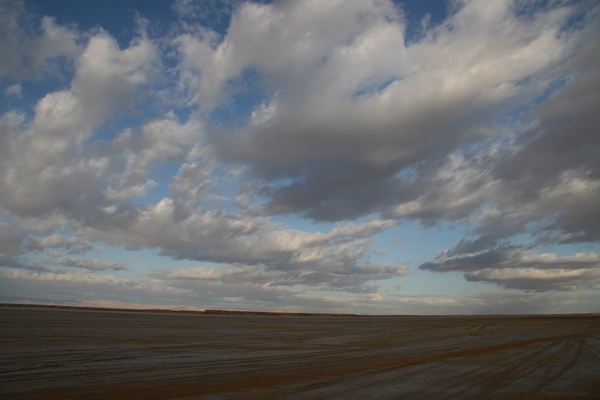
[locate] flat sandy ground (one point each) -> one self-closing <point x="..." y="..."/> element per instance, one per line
<point x="73" y="354"/>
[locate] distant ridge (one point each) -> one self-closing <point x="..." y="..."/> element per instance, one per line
<point x="284" y="313"/>
<point x="175" y="311"/>
<point x="301" y="314"/>
<point x="90" y="308"/>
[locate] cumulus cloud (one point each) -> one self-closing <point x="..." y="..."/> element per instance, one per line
<point x="29" y="52"/>
<point x="344" y="127"/>
<point x="46" y="165"/>
<point x="126" y="162"/>
<point x="337" y="143"/>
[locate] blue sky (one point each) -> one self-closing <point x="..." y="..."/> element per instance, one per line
<point x="340" y="156"/>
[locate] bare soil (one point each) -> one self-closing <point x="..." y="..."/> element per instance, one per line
<point x="98" y="354"/>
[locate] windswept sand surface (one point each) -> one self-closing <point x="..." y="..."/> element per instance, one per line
<point x="74" y="354"/>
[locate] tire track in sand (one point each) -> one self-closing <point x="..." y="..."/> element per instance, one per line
<point x="405" y="370"/>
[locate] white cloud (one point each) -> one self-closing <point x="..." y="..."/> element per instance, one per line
<point x="292" y="256"/>
<point x="107" y="77"/>
<point x="47" y="167"/>
<point x="71" y="244"/>
<point x="14" y="90"/>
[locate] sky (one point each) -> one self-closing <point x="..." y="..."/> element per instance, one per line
<point x="359" y="156"/>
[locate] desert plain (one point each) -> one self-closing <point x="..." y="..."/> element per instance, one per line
<point x="54" y="353"/>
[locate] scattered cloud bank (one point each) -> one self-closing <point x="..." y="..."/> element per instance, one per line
<point x="199" y="143"/>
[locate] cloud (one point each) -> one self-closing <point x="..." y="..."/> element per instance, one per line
<point x="10" y="240"/>
<point x="513" y="267"/>
<point x="288" y="256"/>
<point x="127" y="162"/>
<point x="212" y="14"/>
<point x="533" y="303"/>
<point x="353" y="107"/>
<point x="553" y="168"/>
<point x="48" y="166"/>
<point x="352" y="280"/>
<point x="200" y="143"/>
<point x="63" y="285"/>
<point x="539" y="178"/>
<point x="71" y="244"/>
<point x="83" y="263"/>
<point x="14" y="90"/>
<point x="284" y="40"/>
<point x="68" y="286"/>
<point x="30" y="53"/>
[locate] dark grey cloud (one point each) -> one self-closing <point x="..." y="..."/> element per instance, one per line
<point x="542" y="181"/>
<point x="555" y="168"/>
<point x="11" y="239"/>
<point x="497" y="257"/>
<point x="512" y="267"/>
<point x="338" y="147"/>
